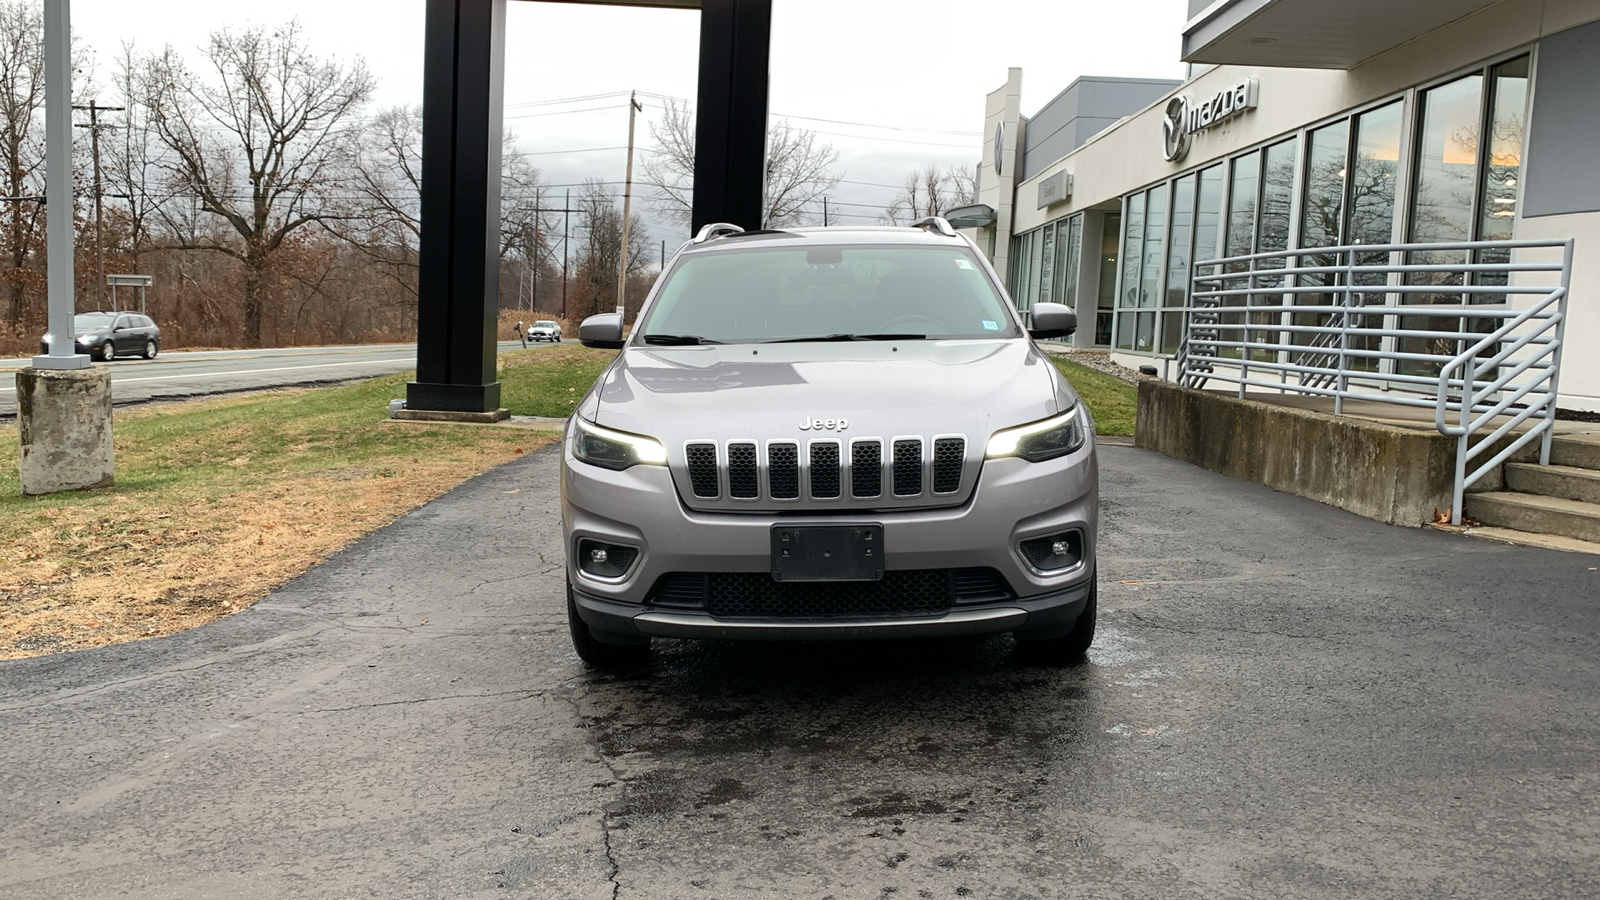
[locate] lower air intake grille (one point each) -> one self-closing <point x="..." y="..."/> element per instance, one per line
<point x="907" y="467"/>
<point x="948" y="454"/>
<point x="703" y="469"/>
<point x="754" y="595"/>
<point x="783" y="471"/>
<point x="742" y="480"/>
<point x="866" y="469"/>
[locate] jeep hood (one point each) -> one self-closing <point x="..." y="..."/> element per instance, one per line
<point x="878" y="389"/>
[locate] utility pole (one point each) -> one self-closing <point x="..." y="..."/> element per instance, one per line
<point x="627" y="208"/>
<point x="566" y="231"/>
<point x="824" y="210"/>
<point x="95" y="109"/>
<point x="663" y="255"/>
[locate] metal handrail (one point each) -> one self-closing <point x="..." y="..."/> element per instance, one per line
<point x="1501" y="362"/>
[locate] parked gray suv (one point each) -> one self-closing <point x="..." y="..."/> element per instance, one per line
<point x="824" y="434"/>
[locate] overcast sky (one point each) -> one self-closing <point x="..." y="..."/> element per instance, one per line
<point x="900" y="83"/>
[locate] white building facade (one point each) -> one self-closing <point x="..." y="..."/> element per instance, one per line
<point x="1307" y="124"/>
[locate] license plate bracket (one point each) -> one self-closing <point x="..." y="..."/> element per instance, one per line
<point x="827" y="552"/>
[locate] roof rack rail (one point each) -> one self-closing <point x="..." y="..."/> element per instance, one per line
<point x="936" y="223"/>
<point x="716" y="230"/>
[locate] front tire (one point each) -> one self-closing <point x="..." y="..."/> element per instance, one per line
<point x="150" y="349"/>
<point x="108" y="351"/>
<point x="1071" y="648"/>
<point x="597" y="654"/>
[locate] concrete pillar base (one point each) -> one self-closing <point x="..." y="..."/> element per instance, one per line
<point x="64" y="427"/>
<point x="445" y="415"/>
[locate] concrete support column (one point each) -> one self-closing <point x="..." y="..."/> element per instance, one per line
<point x="64" y="429"/>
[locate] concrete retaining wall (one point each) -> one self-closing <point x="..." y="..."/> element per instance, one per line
<point x="1394" y="475"/>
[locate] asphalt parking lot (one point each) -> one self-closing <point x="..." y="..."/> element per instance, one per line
<point x="1285" y="700"/>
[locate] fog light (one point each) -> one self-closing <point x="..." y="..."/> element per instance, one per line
<point x="1055" y="552"/>
<point x="603" y="560"/>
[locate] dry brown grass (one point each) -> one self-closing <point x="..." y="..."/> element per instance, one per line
<point x="217" y="503"/>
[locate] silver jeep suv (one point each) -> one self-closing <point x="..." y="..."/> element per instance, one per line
<point x="824" y="434"/>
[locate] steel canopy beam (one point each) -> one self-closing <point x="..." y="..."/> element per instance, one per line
<point x="463" y="97"/>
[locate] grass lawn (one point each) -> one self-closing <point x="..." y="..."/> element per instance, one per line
<point x="219" y="501"/>
<point x="1112" y="402"/>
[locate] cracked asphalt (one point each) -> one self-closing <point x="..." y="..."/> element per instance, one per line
<point x="1285" y="700"/>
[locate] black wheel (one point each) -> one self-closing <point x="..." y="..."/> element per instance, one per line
<point x="150" y="349"/>
<point x="558" y="338"/>
<point x="108" y="351"/>
<point x="1069" y="649"/>
<point x="597" y="654"/>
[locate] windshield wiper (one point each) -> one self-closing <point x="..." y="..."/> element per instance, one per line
<point x="677" y="340"/>
<point x="851" y="337"/>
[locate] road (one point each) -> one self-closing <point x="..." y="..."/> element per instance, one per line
<point x="183" y="374"/>
<point x="1285" y="700"/>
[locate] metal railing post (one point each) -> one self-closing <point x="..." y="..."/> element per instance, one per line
<point x="1458" y="495"/>
<point x="1249" y="301"/>
<point x="1555" y="354"/>
<point x="1344" y="335"/>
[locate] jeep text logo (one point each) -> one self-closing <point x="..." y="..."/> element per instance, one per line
<point x="811" y="424"/>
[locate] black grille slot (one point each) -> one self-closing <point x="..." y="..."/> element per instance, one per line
<point x="681" y="590"/>
<point x="980" y="586"/>
<point x="703" y="470"/>
<point x="783" y="471"/>
<point x="948" y="455"/>
<point x="904" y="593"/>
<point x="742" y="480"/>
<point x="908" y="467"/>
<point x="866" y="469"/>
<point x="825" y="471"/>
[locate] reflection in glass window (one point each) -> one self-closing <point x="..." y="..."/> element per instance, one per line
<point x="1179" y="261"/>
<point x="1441" y="208"/>
<point x="1107" y="295"/>
<point x="1321" y="219"/>
<point x="1373" y="174"/>
<point x="1132" y="252"/>
<point x="1497" y="208"/>
<point x="1243" y="202"/>
<point x="1272" y="232"/>
<point x="1069" y="240"/>
<point x="1155" y="226"/>
<point x="1047" y="259"/>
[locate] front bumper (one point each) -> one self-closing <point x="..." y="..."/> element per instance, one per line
<point x="1014" y="500"/>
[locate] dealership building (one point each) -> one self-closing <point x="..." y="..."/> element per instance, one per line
<point x="1302" y="124"/>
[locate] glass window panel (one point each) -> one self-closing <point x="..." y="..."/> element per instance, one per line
<point x="1243" y="203"/>
<point x="1272" y="233"/>
<point x="1069" y="254"/>
<point x="1155" y="226"/>
<point x="1145" y="340"/>
<point x="1373" y="174"/>
<point x="1497" y="208"/>
<point x="1321" y="220"/>
<point x="1107" y="294"/>
<point x="1445" y="187"/>
<point x="1047" y="260"/>
<point x="1180" y="255"/>
<point x="1132" y="251"/>
<point x="1208" y="214"/>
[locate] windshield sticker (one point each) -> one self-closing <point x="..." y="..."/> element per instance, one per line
<point x="991" y="325"/>
<point x="962" y="264"/>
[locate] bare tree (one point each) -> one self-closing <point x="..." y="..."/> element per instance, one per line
<point x="930" y="192"/>
<point x="21" y="148"/>
<point x="384" y="220"/>
<point x="258" y="142"/>
<point x="599" y="254"/>
<point x="798" y="169"/>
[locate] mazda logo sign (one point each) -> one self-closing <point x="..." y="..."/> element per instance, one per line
<point x="1175" y="136"/>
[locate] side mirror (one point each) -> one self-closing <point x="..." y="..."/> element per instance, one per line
<point x="1053" y="320"/>
<point x="603" y="332"/>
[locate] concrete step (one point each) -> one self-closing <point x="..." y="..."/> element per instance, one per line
<point x="1566" y="482"/>
<point x="1532" y="512"/>
<point x="1581" y="451"/>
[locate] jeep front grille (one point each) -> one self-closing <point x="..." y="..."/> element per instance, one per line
<point x="827" y="473"/>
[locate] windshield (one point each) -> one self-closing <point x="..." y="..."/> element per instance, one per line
<point x="92" y="320"/>
<point x="826" y="292"/>
<point x="544" y="323"/>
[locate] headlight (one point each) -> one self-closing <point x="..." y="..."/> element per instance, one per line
<point x="614" y="449"/>
<point x="1039" y="441"/>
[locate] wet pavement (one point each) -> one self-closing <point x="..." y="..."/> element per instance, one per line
<point x="1285" y="700"/>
